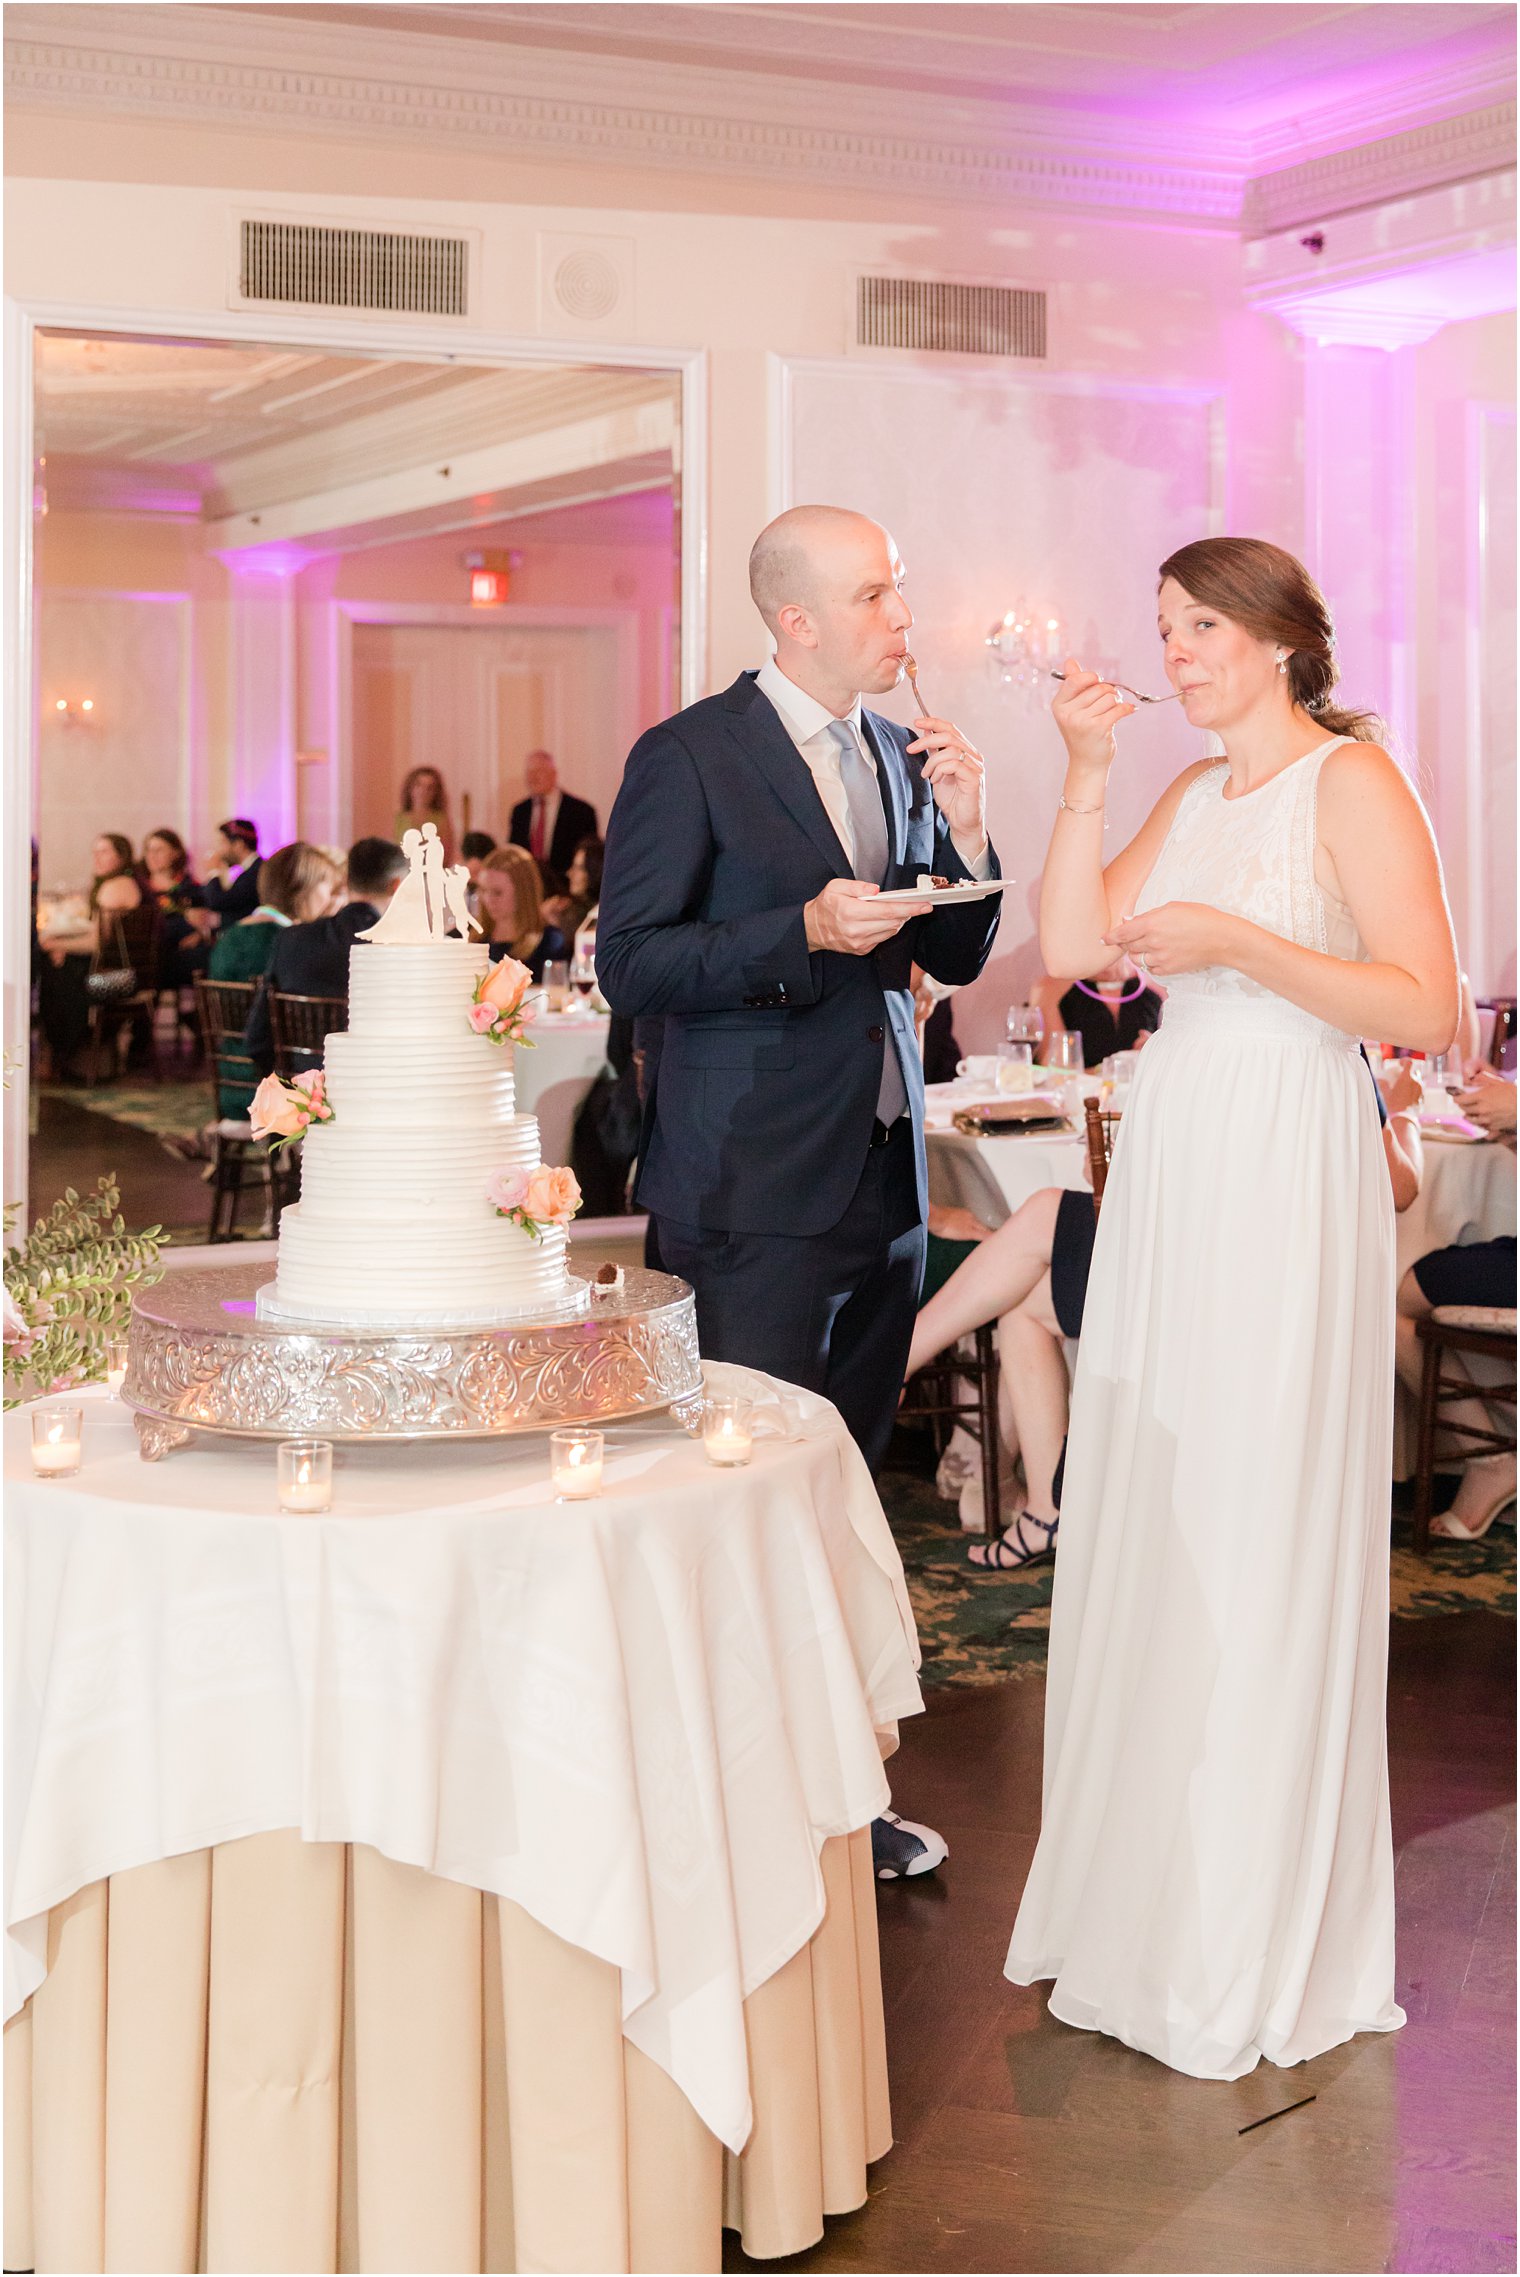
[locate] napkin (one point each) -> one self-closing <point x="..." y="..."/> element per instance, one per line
<point x="773" y="1413"/>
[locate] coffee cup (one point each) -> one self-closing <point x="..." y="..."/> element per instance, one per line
<point x="979" y="1067"/>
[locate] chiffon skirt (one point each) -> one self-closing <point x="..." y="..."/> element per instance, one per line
<point x="1214" y="1877"/>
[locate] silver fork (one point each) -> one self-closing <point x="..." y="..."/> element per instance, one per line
<point x="1139" y="699"/>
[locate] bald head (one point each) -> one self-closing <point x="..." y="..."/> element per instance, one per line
<point x="827" y="582"/>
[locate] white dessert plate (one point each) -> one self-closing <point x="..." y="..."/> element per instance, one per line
<point x="973" y="890"/>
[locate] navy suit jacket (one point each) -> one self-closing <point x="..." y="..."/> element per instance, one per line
<point x="308" y="960"/>
<point x="761" y="1113"/>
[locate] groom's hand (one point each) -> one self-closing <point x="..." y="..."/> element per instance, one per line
<point x="842" y="918"/>
<point x="956" y="773"/>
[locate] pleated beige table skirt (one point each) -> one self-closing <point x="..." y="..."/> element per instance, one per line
<point x="277" y="2055"/>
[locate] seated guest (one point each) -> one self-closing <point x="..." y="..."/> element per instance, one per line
<point x="168" y="880"/>
<point x="512" y="914"/>
<point x="231" y="890"/>
<point x="311" y="959"/>
<point x="295" y="887"/>
<point x="1474" y="1273"/>
<point x="64" y="960"/>
<point x="1108" y="1012"/>
<point x="1030" y="1276"/>
<point x="550" y="822"/>
<point x="473" y="849"/>
<point x="578" y="904"/>
<point x="424" y="799"/>
<point x="937" y="1046"/>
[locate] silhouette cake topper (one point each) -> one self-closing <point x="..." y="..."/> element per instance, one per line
<point x="430" y="900"/>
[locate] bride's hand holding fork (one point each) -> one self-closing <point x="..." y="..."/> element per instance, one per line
<point x="1087" y="711"/>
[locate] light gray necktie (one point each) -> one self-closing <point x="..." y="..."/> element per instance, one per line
<point x="868" y="825"/>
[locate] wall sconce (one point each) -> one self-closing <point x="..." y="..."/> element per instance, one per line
<point x="1023" y="647"/>
<point x="74" y="711"/>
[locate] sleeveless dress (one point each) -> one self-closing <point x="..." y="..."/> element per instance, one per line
<point x="1214" y="1877"/>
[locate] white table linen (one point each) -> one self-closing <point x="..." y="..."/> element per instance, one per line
<point x="1467" y="1193"/>
<point x="569" y="1053"/>
<point x="639" y="1718"/>
<point x="992" y="1177"/>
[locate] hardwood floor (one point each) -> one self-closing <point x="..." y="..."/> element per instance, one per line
<point x="1023" y="2145"/>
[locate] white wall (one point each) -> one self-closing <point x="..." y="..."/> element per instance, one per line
<point x="1070" y="497"/>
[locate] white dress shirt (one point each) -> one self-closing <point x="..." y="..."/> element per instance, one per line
<point x="807" y="722"/>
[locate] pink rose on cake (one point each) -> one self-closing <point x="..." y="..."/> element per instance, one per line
<point x="507" y="1191"/>
<point x="534" y="1199"/>
<point x="286" y="1106"/>
<point x="498" y="1010"/>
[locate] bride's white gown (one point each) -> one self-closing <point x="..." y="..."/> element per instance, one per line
<point x="1214" y="1877"/>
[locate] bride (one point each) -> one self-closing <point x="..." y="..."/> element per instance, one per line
<point x="1214" y="1877"/>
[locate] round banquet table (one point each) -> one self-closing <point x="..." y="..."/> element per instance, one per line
<point x="569" y="1053"/>
<point x="460" y="1880"/>
<point x="992" y="1177"/>
<point x="1467" y="1193"/>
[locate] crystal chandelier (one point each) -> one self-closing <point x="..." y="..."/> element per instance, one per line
<point x="1023" y="647"/>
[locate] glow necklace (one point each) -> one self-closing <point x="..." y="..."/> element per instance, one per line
<point x="1127" y="996"/>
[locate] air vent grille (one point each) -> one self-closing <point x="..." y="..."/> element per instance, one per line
<point x="317" y="267"/>
<point x="961" y="320"/>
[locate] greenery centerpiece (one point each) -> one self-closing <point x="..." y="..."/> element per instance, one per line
<point x="68" y="1292"/>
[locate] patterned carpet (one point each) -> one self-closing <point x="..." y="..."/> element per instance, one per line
<point x="180" y="1108"/>
<point x="981" y="1628"/>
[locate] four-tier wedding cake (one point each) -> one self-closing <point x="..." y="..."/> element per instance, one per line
<point x="424" y="1201"/>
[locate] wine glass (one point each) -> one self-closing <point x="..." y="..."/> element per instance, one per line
<point x="583" y="966"/>
<point x="1025" y="1024"/>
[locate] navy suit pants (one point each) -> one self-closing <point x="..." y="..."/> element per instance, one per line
<point x="831" y="1311"/>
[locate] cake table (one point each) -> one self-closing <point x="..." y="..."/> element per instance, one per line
<point x="455" y="1881"/>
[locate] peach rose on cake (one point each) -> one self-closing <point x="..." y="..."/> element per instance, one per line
<point x="505" y="986"/>
<point x="276" y="1111"/>
<point x="553" y="1196"/>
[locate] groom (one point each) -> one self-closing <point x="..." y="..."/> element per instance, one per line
<point x="782" y="1157"/>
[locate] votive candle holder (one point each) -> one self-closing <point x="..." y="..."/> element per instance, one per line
<point x="575" y="1464"/>
<point x="304" y="1476"/>
<point x="728" y="1437"/>
<point x="116" y="1365"/>
<point x="57" y="1441"/>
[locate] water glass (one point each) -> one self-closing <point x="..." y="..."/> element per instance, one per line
<point x="1443" y="1071"/>
<point x="1015" y="1067"/>
<point x="1062" y="1052"/>
<point x="557" y="984"/>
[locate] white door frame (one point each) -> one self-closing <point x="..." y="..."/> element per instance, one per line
<point x="337" y="334"/>
<point x="512" y="616"/>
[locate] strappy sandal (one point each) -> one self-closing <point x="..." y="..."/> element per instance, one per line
<point x="1025" y="1542"/>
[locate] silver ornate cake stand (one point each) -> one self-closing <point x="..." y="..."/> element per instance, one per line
<point x="200" y="1359"/>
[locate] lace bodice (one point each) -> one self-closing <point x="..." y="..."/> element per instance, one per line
<point x="1254" y="856"/>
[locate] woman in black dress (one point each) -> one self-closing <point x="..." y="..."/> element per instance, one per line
<point x="1108" y="1012"/>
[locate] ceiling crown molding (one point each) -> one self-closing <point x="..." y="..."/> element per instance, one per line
<point x="61" y="77"/>
<point x="282" y="71"/>
<point x="1395" y="166"/>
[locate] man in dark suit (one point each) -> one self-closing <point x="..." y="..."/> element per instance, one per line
<point x="231" y="888"/>
<point x="782" y="1156"/>
<point x="550" y="822"/>
<point x="312" y="959"/>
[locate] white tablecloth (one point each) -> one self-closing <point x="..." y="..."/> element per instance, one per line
<point x="1467" y="1193"/>
<point x="569" y="1053"/>
<point x="639" y="1718"/>
<point x="992" y="1177"/>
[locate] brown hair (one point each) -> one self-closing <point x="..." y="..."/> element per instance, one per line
<point x="518" y="864"/>
<point x="126" y="867"/>
<point x="1270" y="595"/>
<point x="292" y="875"/>
<point x="406" y="790"/>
